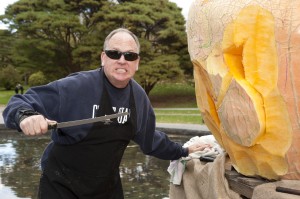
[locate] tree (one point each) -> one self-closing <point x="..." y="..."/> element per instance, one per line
<point x="9" y="77"/>
<point x="59" y="37"/>
<point x="6" y="40"/>
<point x="51" y="34"/>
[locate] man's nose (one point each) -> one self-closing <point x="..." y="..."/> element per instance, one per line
<point x="122" y="59"/>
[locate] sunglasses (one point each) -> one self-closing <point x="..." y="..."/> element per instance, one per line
<point x="114" y="54"/>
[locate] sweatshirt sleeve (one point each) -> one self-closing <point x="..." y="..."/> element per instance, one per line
<point x="156" y="143"/>
<point x="42" y="99"/>
<point x="151" y="141"/>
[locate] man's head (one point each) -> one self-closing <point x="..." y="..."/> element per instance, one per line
<point x="120" y="59"/>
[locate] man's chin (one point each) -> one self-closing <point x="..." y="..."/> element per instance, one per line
<point x="122" y="79"/>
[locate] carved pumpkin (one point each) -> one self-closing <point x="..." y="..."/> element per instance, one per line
<point x="246" y="57"/>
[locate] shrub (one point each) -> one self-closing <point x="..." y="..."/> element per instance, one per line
<point x="9" y="77"/>
<point x="37" y="79"/>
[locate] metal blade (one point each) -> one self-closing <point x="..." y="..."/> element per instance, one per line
<point x="105" y="118"/>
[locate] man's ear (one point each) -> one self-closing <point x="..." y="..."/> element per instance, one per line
<point x="137" y="65"/>
<point x="102" y="58"/>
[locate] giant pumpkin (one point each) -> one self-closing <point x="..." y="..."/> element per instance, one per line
<point x="246" y="58"/>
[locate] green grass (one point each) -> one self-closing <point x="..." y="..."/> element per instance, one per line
<point x="172" y="103"/>
<point x="175" y="111"/>
<point x="187" y="116"/>
<point x="179" y="119"/>
<point x="5" y="96"/>
<point x="179" y="89"/>
<point x="173" y="95"/>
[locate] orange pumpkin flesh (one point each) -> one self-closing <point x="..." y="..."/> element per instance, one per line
<point x="246" y="85"/>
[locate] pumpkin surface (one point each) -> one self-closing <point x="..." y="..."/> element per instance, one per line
<point x="246" y="58"/>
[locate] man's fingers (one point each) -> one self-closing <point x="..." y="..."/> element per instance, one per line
<point x="198" y="147"/>
<point x="34" y="125"/>
<point x="202" y="146"/>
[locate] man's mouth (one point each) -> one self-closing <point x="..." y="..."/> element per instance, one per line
<point x="120" y="70"/>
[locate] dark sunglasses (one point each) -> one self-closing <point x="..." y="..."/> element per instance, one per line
<point x="114" y="54"/>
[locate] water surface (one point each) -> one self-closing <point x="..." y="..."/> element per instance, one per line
<point x="142" y="176"/>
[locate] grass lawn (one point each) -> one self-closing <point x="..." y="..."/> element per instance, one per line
<point x="182" y="119"/>
<point x="175" y="103"/>
<point x="5" y="96"/>
<point x="182" y="115"/>
<point x="173" y="95"/>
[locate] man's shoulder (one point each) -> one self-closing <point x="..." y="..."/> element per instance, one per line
<point x="79" y="80"/>
<point x="82" y="75"/>
<point x="139" y="93"/>
<point x="137" y="87"/>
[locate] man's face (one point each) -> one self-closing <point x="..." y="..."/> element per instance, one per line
<point x="120" y="71"/>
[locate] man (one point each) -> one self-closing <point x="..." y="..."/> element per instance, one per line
<point x="83" y="161"/>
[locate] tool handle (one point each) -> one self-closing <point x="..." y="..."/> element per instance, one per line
<point x="52" y="126"/>
<point x="288" y="190"/>
<point x="206" y="159"/>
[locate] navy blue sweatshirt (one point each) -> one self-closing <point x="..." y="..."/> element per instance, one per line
<point x="77" y="97"/>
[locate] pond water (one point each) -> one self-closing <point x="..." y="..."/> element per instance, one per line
<point x="142" y="176"/>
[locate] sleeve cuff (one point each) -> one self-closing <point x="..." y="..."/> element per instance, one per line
<point x="185" y="151"/>
<point x="23" y="113"/>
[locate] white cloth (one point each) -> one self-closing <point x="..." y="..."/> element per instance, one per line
<point x="177" y="167"/>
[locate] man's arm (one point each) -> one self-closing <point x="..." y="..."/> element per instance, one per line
<point x="32" y="107"/>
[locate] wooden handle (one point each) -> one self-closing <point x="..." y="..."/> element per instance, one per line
<point x="206" y="159"/>
<point x="288" y="190"/>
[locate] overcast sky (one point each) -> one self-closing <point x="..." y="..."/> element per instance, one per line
<point x="184" y="4"/>
<point x="3" y="4"/>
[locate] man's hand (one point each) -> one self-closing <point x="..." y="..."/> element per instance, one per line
<point x="198" y="147"/>
<point x="35" y="125"/>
